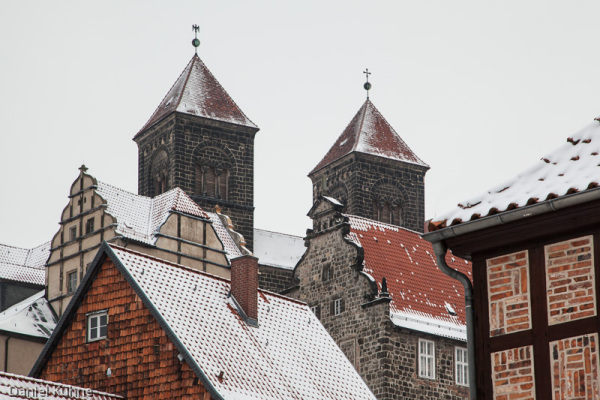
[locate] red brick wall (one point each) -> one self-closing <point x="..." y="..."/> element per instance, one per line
<point x="513" y="374"/>
<point x="575" y="368"/>
<point x="143" y="361"/>
<point x="244" y="284"/>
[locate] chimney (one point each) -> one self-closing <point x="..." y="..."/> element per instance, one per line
<point x="244" y="286"/>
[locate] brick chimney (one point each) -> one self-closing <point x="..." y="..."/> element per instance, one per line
<point x="244" y="286"/>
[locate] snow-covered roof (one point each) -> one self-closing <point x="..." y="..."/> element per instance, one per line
<point x="32" y="317"/>
<point x="573" y="167"/>
<point x="278" y="249"/>
<point x="197" y="92"/>
<point x="24" y="265"/>
<point x="231" y="249"/>
<point x="140" y="217"/>
<point x="423" y="297"/>
<point x="23" y="387"/>
<point x="289" y="355"/>
<point x="370" y="133"/>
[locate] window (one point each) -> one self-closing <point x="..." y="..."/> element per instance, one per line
<point x="338" y="306"/>
<point x="462" y="366"/>
<point x="214" y="182"/>
<point x="71" y="281"/>
<point x="316" y="310"/>
<point x="426" y="359"/>
<point x="89" y="226"/>
<point x="73" y="233"/>
<point x="326" y="273"/>
<point x="97" y="326"/>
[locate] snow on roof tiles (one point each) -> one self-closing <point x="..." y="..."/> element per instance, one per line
<point x="24" y="265"/>
<point x="22" y="387"/>
<point x="197" y="92"/>
<point x="277" y="249"/>
<point x="571" y="168"/>
<point x="231" y="249"/>
<point x="32" y="316"/>
<point x="370" y="133"/>
<point x="290" y="355"/>
<point x="139" y="217"/>
<point x="420" y="292"/>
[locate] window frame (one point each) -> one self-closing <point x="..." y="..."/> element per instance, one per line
<point x="71" y="289"/>
<point x="426" y="361"/>
<point x="72" y="233"/>
<point x="89" y="225"/>
<point x="461" y="365"/>
<point x="97" y="316"/>
<point x="337" y="307"/>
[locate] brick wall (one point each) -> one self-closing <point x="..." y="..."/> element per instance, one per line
<point x="190" y="141"/>
<point x="368" y="178"/>
<point x="575" y="368"/>
<point x="274" y="279"/>
<point x="508" y="293"/>
<point x="143" y="361"/>
<point x="570" y="280"/>
<point x="244" y="284"/>
<point x="513" y="374"/>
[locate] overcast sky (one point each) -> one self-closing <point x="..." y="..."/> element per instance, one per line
<point x="478" y="89"/>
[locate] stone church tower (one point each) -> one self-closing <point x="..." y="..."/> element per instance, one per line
<point x="198" y="139"/>
<point x="373" y="173"/>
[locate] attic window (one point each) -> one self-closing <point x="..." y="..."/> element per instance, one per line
<point x="89" y="225"/>
<point x="73" y="233"/>
<point x="71" y="281"/>
<point x="97" y="326"/>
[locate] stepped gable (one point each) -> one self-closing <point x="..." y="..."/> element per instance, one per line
<point x="573" y="167"/>
<point x="197" y="92"/>
<point x="369" y="133"/>
<point x="423" y="297"/>
<point x="24" y="265"/>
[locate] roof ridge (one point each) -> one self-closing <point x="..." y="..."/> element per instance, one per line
<point x="187" y="78"/>
<point x="362" y="121"/>
<point x="383" y="223"/>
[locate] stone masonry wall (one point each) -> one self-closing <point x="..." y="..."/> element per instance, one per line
<point x="513" y="374"/>
<point x="571" y="292"/>
<point x="509" y="294"/>
<point x="274" y="279"/>
<point x="384" y="355"/>
<point x="190" y="140"/>
<point x="369" y="178"/>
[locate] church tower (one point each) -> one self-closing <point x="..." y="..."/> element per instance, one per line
<point x="373" y="172"/>
<point x="198" y="139"/>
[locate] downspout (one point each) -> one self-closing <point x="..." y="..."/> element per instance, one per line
<point x="440" y="250"/>
<point x="6" y="353"/>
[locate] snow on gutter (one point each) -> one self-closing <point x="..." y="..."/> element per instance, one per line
<point x="429" y="324"/>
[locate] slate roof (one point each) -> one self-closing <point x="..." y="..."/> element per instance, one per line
<point x="571" y="168"/>
<point x="24" y="265"/>
<point x="197" y="92"/>
<point x="370" y="133"/>
<point x="278" y="250"/>
<point x="423" y="297"/>
<point x="32" y="317"/>
<point x="289" y="355"/>
<point x="139" y="217"/>
<point x="22" y="387"/>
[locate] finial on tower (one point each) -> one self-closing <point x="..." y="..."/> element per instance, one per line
<point x="367" y="85"/>
<point x="196" y="41"/>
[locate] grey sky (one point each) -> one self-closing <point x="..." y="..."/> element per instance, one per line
<point x="479" y="90"/>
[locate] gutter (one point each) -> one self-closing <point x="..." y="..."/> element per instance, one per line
<point x="440" y="252"/>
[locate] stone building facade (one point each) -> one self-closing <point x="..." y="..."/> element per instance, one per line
<point x="200" y="141"/>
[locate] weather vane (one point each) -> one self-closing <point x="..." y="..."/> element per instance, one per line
<point x="367" y="85"/>
<point x="196" y="41"/>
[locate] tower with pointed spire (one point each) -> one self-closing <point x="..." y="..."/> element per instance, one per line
<point x="198" y="139"/>
<point x="373" y="172"/>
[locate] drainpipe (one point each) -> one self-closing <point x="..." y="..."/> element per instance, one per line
<point x="440" y="253"/>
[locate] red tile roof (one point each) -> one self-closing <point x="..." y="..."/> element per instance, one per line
<point x="419" y="290"/>
<point x="197" y="92"/>
<point x="571" y="168"/>
<point x="370" y="133"/>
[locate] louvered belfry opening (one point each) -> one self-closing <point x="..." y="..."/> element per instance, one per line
<point x="244" y="285"/>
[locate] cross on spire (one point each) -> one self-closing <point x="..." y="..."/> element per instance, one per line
<point x="196" y="42"/>
<point x="367" y="85"/>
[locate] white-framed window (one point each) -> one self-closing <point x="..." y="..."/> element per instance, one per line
<point x="426" y="359"/>
<point x="97" y="326"/>
<point x="461" y="362"/>
<point x="337" y="306"/>
<point x="71" y="281"/>
<point x="314" y="309"/>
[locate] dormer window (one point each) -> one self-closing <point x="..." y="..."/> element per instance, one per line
<point x="97" y="326"/>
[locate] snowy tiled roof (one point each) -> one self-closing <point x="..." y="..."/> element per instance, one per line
<point x="33" y="317"/>
<point x="571" y="168"/>
<point x="289" y="356"/>
<point x="423" y="297"/>
<point x="24" y="265"/>
<point x="278" y="249"/>
<point x="370" y="133"/>
<point x="197" y="92"/>
<point x="139" y="217"/>
<point x="231" y="249"/>
<point x="22" y="387"/>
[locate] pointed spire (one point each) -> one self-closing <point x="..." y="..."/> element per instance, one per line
<point x="370" y="133"/>
<point x="197" y="92"/>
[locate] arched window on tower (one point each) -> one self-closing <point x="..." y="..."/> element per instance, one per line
<point x="212" y="182"/>
<point x="387" y="212"/>
<point x="160" y="172"/>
